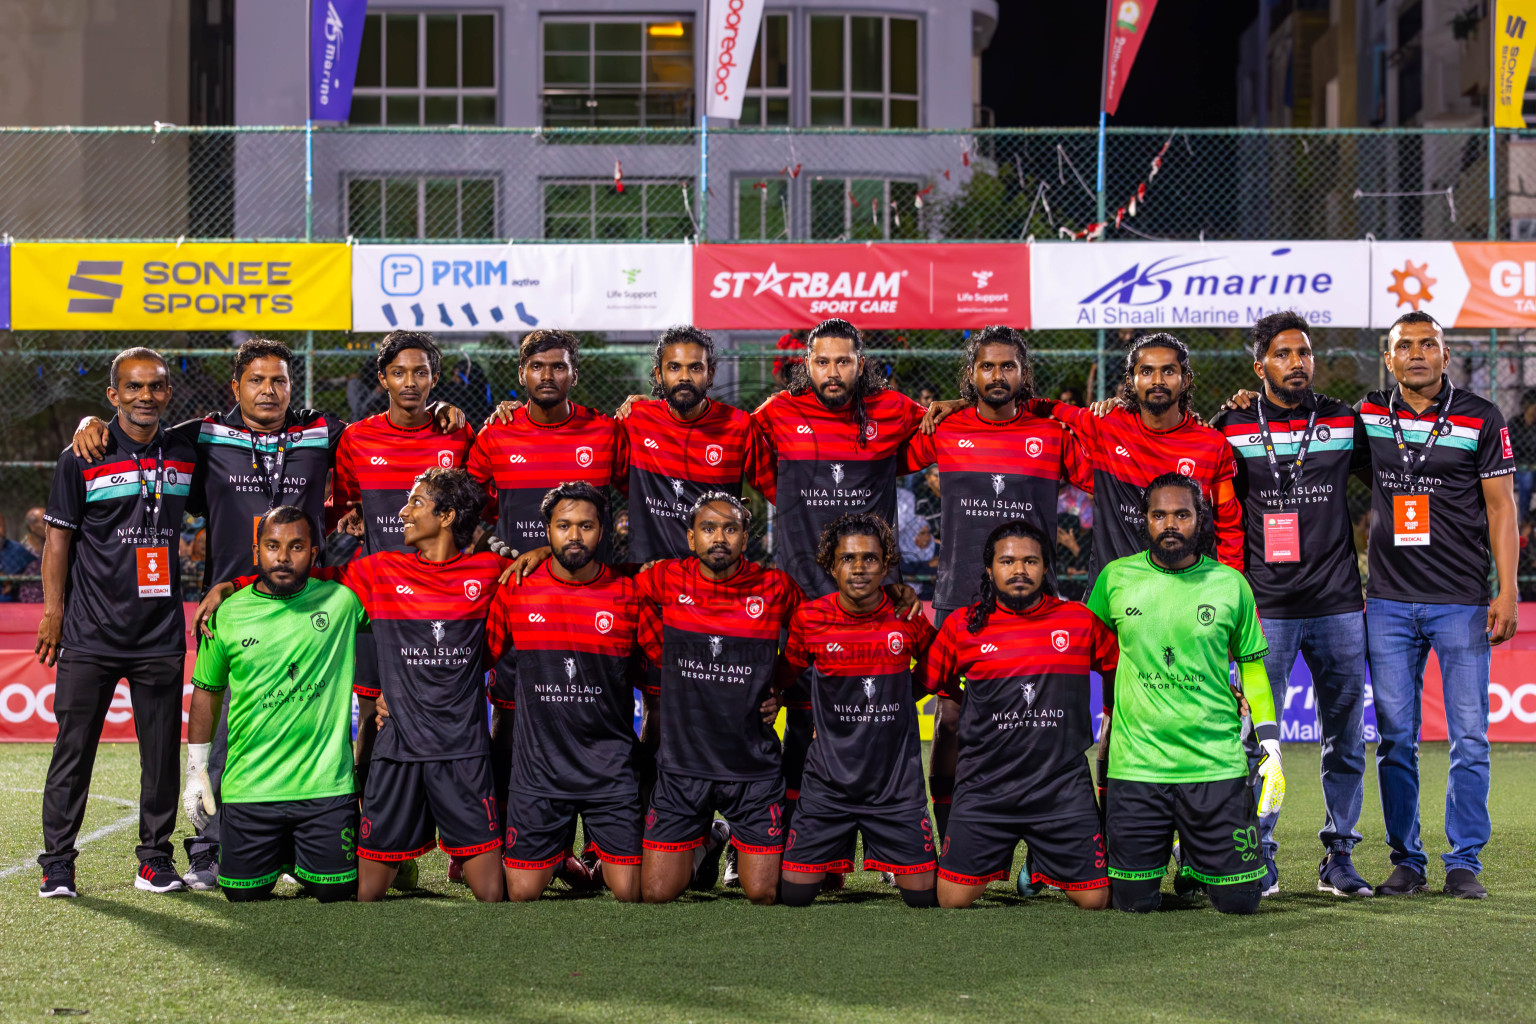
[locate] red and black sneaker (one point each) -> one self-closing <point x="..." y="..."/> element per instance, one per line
<point x="58" y="880"/>
<point x="158" y="875"/>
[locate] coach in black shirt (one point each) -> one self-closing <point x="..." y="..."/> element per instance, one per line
<point x="112" y="611"/>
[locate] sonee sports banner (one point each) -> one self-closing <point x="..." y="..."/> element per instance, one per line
<point x="151" y="286"/>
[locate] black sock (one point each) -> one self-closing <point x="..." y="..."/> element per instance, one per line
<point x="920" y="897"/>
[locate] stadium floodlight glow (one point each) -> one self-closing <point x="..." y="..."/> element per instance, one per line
<point x="669" y="29"/>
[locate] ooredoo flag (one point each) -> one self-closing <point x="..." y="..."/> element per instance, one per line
<point x="757" y="287"/>
<point x="1514" y="37"/>
<point x="1128" y="21"/>
<point x="732" y="39"/>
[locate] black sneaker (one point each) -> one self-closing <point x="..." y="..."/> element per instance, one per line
<point x="1337" y="874"/>
<point x="158" y="875"/>
<point x="1185" y="885"/>
<point x="203" y="868"/>
<point x="58" y="880"/>
<point x="1461" y="883"/>
<point x="1403" y="881"/>
<point x="706" y="872"/>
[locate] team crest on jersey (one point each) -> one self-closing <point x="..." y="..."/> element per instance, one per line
<point x="584" y="456"/>
<point x="603" y="621"/>
<point x="837" y="472"/>
<point x="714" y="454"/>
<point x="870" y="430"/>
<point x="438" y="631"/>
<point x="1323" y="433"/>
<point x="1187" y="467"/>
<point x="1205" y="614"/>
<point x="755" y="606"/>
<point x="445" y="458"/>
<point x="321" y="621"/>
<point x="1060" y="639"/>
<point x="472" y="589"/>
<point x="1033" y="447"/>
<point x="170" y="475"/>
<point x="896" y="642"/>
<point x="997" y="484"/>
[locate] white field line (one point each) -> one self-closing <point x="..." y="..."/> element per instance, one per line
<point x="90" y="837"/>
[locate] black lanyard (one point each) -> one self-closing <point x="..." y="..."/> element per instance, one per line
<point x="1442" y="426"/>
<point x="1283" y="487"/>
<point x="271" y="483"/>
<point x="151" y="510"/>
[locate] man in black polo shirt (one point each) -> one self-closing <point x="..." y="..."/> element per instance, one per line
<point x="111" y="611"/>
<point x="1295" y="450"/>
<point x="1442" y="494"/>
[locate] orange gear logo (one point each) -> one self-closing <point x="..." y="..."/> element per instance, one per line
<point x="1418" y="292"/>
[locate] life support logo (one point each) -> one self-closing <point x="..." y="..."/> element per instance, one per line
<point x="1060" y="639"/>
<point x="1503" y="702"/>
<point x="713" y="454"/>
<point x="1033" y="447"/>
<point x="1187" y="467"/>
<point x="472" y="589"/>
<point x="445" y="458"/>
<point x="584" y="456"/>
<point x="603" y="621"/>
<point x="755" y="606"/>
<point x="896" y="642"/>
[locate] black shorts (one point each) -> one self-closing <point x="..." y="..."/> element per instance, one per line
<point x="896" y="839"/>
<point x="683" y="806"/>
<point x="315" y="839"/>
<point x="1216" y="821"/>
<point x="539" y="829"/>
<point x="501" y="689"/>
<point x="409" y="805"/>
<point x="365" y="670"/>
<point x="1067" y="853"/>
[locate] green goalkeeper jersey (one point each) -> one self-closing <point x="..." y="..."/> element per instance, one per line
<point x="286" y="663"/>
<point x="1175" y="716"/>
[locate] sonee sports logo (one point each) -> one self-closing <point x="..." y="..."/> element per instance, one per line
<point x="84" y="280"/>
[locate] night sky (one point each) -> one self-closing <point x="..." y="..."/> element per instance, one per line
<point x="1043" y="66"/>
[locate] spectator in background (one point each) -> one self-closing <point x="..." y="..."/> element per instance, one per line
<point x="791" y="341"/>
<point x="14" y="559"/>
<point x="1522" y="438"/>
<point x="920" y="558"/>
<point x="925" y="491"/>
<point x="37" y="530"/>
<point x="1074" y="541"/>
<point x="365" y="395"/>
<point x="194" y="558"/>
<point x="1071" y="396"/>
<point x="927" y="394"/>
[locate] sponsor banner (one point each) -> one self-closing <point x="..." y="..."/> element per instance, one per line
<point x="335" y="39"/>
<point x="732" y="39"/>
<point x="197" y="286"/>
<point x="26" y="703"/>
<point x="1460" y="284"/>
<point x="875" y="286"/>
<point x="1127" y="27"/>
<point x="450" y="288"/>
<point x="1513" y="37"/>
<point x="1194" y="284"/>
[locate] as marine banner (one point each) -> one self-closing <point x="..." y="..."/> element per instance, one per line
<point x="147" y="286"/>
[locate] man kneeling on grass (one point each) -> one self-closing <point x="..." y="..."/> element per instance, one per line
<point x="283" y="649"/>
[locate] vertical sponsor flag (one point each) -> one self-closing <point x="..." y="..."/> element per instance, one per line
<point x="732" y="40"/>
<point x="5" y="288"/>
<point x="1514" y="34"/>
<point x="1127" y="25"/>
<point x="335" y="38"/>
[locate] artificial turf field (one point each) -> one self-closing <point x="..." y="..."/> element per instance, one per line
<point x="860" y="955"/>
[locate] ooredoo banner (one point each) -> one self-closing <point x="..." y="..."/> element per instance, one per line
<point x="1197" y="284"/>
<point x="149" y="286"/>
<point x="478" y="288"/>
<point x="732" y="39"/>
<point x="910" y="286"/>
<point x="1460" y="284"/>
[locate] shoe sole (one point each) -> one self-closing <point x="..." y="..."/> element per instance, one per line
<point x="200" y="886"/>
<point x="1273" y="890"/>
<point x="146" y="885"/>
<point x="1466" y="895"/>
<point x="1420" y="891"/>
<point x="62" y="890"/>
<point x="1336" y="891"/>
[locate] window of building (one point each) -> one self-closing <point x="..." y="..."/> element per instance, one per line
<point x="863" y="208"/>
<point x="421" y="207"/>
<point x="767" y="98"/>
<point x="618" y="72"/>
<point x="437" y="68"/>
<point x="864" y="71"/>
<point x="594" y="210"/>
<point x="762" y="208"/>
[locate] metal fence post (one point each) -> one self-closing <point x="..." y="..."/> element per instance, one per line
<point x="1099" y="340"/>
<point x="703" y="177"/>
<point x="1493" y="233"/>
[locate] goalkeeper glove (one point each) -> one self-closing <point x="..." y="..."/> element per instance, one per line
<point x="197" y="799"/>
<point x="1270" y="778"/>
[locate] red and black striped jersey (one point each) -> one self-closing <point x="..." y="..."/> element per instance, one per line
<point x="1126" y="455"/>
<point x="648" y="639"/>
<point x="866" y="751"/>
<point x="574" y="731"/>
<point x="666" y="463"/>
<point x="377" y="464"/>
<point x="523" y="460"/>
<point x="1025" y="718"/>
<point x="991" y="473"/>
<point x="429" y="633"/>
<point x="719" y="651"/>
<point x="825" y="466"/>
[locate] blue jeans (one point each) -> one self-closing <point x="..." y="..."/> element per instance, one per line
<point x="1333" y="647"/>
<point x="1401" y="637"/>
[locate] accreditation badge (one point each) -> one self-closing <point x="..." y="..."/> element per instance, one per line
<point x="1282" y="536"/>
<point x="1410" y="520"/>
<point x="154" y="568"/>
